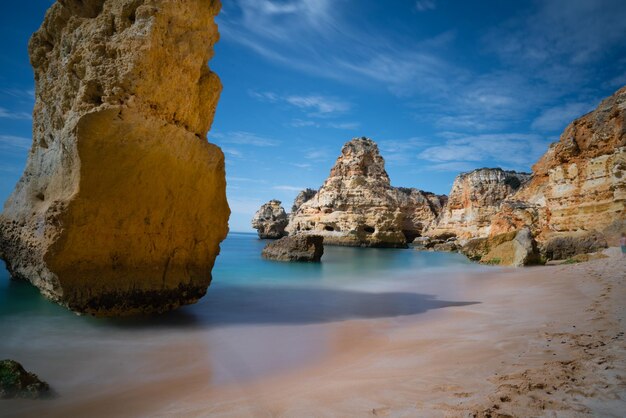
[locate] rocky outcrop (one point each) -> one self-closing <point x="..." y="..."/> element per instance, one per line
<point x="567" y="246"/>
<point x="295" y="248"/>
<point x="357" y="206"/>
<point x="270" y="220"/>
<point x="474" y="199"/>
<point x="122" y="204"/>
<point x="580" y="183"/>
<point x="15" y="382"/>
<point x="516" y="248"/>
<point x="303" y="197"/>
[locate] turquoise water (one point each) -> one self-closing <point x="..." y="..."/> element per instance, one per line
<point x="258" y="317"/>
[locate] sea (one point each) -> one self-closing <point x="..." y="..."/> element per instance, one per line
<point x="259" y="318"/>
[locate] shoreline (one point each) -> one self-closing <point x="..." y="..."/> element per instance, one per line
<point x="539" y="340"/>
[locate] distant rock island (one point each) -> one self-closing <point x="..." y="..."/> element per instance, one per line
<point x="122" y="205"/>
<point x="574" y="202"/>
<point x="271" y="220"/>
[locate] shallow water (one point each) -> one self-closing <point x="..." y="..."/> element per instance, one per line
<point x="259" y="317"/>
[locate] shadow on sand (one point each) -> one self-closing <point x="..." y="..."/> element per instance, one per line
<point x="234" y="305"/>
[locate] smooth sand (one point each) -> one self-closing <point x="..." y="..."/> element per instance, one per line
<point x="545" y="341"/>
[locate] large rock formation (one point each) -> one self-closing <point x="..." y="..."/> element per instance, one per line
<point x="270" y="220"/>
<point x="122" y="204"/>
<point x="357" y="206"/>
<point x="580" y="183"/>
<point x="295" y="248"/>
<point x="474" y="199"/>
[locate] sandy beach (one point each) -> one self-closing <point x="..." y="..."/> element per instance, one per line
<point x="544" y="341"/>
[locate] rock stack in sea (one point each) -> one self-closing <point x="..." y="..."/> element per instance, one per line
<point x="475" y="197"/>
<point x="270" y="220"/>
<point x="357" y="206"/>
<point x="122" y="204"/>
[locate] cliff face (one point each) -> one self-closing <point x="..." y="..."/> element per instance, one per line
<point x="270" y="220"/>
<point x="474" y="199"/>
<point x="304" y="196"/>
<point x="580" y="183"/>
<point x="122" y="204"/>
<point x="357" y="206"/>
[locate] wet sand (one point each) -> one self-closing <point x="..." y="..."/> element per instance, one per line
<point x="545" y="341"/>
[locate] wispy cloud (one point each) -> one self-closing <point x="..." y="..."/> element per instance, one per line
<point x="289" y="188"/>
<point x="319" y="105"/>
<point x="243" y="138"/>
<point x="320" y="38"/>
<point x="8" y="114"/>
<point x="513" y="150"/>
<point x="556" y="118"/>
<point x="317" y="155"/>
<point x="316" y="105"/>
<point x="15" y="142"/>
<point x="425" y="5"/>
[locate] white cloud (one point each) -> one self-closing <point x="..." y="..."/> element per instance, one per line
<point x="321" y="38"/>
<point x="9" y="141"/>
<point x="300" y="123"/>
<point x="425" y="5"/>
<point x="510" y="149"/>
<point x="301" y="165"/>
<point x="289" y="188"/>
<point x="350" y="126"/>
<point x="558" y="117"/>
<point x="232" y="152"/>
<point x="243" y="138"/>
<point x="319" y="105"/>
<point x="317" y="155"/>
<point x="7" y="114"/>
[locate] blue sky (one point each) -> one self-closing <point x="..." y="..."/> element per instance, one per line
<point x="442" y="86"/>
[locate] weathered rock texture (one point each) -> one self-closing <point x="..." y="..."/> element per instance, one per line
<point x="295" y="248"/>
<point x="270" y="220"/>
<point x="474" y="199"/>
<point x="122" y="204"/>
<point x="580" y="183"/>
<point x="15" y="382"/>
<point x="357" y="206"/>
<point x="303" y="197"/>
<point x="515" y="248"/>
<point x="572" y="244"/>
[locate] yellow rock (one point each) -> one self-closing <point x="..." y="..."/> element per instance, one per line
<point x="122" y="204"/>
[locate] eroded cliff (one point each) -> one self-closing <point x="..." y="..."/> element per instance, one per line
<point x="580" y="182"/>
<point x="122" y="205"/>
<point x="475" y="197"/>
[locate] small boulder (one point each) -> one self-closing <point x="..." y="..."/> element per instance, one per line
<point x="295" y="248"/>
<point x="563" y="247"/>
<point x="15" y="382"/>
<point x="517" y="248"/>
<point x="448" y="246"/>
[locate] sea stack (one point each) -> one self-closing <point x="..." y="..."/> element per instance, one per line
<point x="579" y="185"/>
<point x="270" y="220"/>
<point x="357" y="206"/>
<point x="122" y="205"/>
<point x="475" y="197"/>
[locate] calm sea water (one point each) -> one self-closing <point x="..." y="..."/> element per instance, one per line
<point x="258" y="317"/>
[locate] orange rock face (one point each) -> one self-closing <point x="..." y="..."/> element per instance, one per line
<point x="580" y="183"/>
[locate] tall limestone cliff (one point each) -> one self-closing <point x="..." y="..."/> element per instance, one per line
<point x="357" y="205"/>
<point x="475" y="197"/>
<point x="579" y="185"/>
<point x="302" y="197"/>
<point x="122" y="205"/>
<point x="270" y="220"/>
